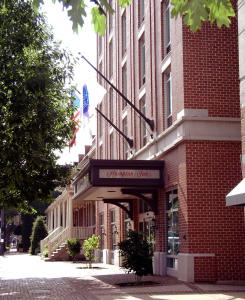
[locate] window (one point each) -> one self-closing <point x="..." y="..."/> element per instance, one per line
<point x="166" y="16"/>
<point x="112" y="152"/>
<point x="99" y="77"/>
<point x="127" y="221"/>
<point x="168" y="97"/>
<point x="124" y="34"/>
<point x="113" y="229"/>
<point x="99" y="45"/>
<point x="102" y="230"/>
<point x="111" y="106"/>
<point x="110" y="59"/>
<point x="101" y="152"/>
<point x="143" y="132"/>
<point x="99" y="117"/>
<point x="141" y="61"/>
<point x="110" y="18"/>
<point x="147" y="229"/>
<point x="125" y="143"/>
<point x="143" y="207"/>
<point x="141" y="11"/>
<point x="172" y="229"/>
<point x="124" y="84"/>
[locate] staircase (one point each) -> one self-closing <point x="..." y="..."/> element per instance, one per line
<point x="60" y="253"/>
<point x="56" y="243"/>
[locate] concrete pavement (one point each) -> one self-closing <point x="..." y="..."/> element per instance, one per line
<point x="28" y="277"/>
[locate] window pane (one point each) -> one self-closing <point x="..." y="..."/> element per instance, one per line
<point x="143" y="132"/>
<point x="110" y="59"/>
<point x="142" y="61"/>
<point x="124" y="84"/>
<point x="111" y="100"/>
<point x="124" y="34"/>
<point x="172" y="229"/>
<point x="111" y="146"/>
<point x="141" y="11"/>
<point x="125" y="144"/>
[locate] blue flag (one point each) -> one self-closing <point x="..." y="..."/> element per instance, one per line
<point x="85" y="101"/>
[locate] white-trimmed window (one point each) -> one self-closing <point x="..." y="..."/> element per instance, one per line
<point x="113" y="229"/>
<point x="141" y="11"/>
<point x="99" y="118"/>
<point x="125" y="131"/>
<point x="110" y="18"/>
<point x="111" y="105"/>
<point x="168" y="97"/>
<point x="101" y="151"/>
<point x="166" y="21"/>
<point x="124" y="33"/>
<point x="124" y="84"/>
<point x="99" y="77"/>
<point x="172" y="211"/>
<point x="143" y="132"/>
<point x="99" y="45"/>
<point x="112" y="152"/>
<point x="141" y="61"/>
<point x="102" y="230"/>
<point x="110" y="58"/>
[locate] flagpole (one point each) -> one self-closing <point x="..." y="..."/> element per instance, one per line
<point x="148" y="121"/>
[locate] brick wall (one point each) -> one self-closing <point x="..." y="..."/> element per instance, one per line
<point x="211" y="80"/>
<point x="213" y="169"/>
<point x="243" y="139"/>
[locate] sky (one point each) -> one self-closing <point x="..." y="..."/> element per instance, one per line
<point x="85" y="43"/>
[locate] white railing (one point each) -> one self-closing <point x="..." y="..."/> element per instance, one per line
<point x="82" y="232"/>
<point x="58" y="240"/>
<point x="50" y="236"/>
<point x="67" y="233"/>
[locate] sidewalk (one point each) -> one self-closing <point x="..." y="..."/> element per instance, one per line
<point x="28" y="277"/>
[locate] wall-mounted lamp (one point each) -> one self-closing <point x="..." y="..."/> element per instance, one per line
<point x="115" y="229"/>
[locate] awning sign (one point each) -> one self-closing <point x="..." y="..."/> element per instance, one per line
<point x="129" y="173"/>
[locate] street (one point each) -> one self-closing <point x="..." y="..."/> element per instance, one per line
<point x="28" y="277"/>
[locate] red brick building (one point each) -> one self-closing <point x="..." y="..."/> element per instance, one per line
<point x="172" y="183"/>
<point x="189" y="85"/>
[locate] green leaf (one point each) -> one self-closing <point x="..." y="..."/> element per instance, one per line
<point x="124" y="3"/>
<point x="195" y="12"/>
<point x="99" y="21"/>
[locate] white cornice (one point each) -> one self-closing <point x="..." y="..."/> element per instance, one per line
<point x="191" y="128"/>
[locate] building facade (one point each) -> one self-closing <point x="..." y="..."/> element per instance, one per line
<point x="185" y="83"/>
<point x="170" y="182"/>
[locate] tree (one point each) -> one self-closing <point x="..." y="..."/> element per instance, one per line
<point x="194" y="12"/>
<point x="136" y="254"/>
<point x="39" y="232"/>
<point x="73" y="247"/>
<point x="89" y="247"/>
<point x="35" y="105"/>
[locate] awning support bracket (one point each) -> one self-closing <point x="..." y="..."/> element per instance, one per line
<point x="150" y="201"/>
<point x="118" y="202"/>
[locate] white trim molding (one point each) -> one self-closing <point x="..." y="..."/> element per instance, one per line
<point x="186" y="265"/>
<point x="191" y="128"/>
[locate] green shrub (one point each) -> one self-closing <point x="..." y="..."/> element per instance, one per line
<point x="39" y="232"/>
<point x="73" y="247"/>
<point x="136" y="254"/>
<point x="89" y="247"/>
<point x="45" y="251"/>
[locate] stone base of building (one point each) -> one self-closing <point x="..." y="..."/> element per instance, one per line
<point x="187" y="267"/>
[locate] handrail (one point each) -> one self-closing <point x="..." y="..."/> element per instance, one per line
<point x="69" y="232"/>
<point x="49" y="237"/>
